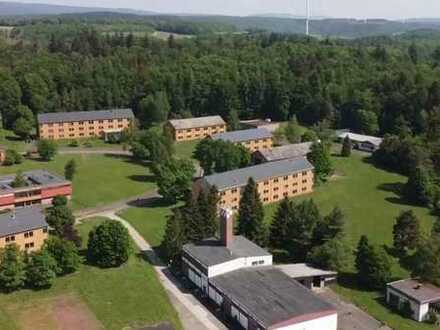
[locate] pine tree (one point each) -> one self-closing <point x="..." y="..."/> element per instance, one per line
<point x="329" y="227"/>
<point x="19" y="180"/>
<point x="251" y="215"/>
<point x="346" y="147"/>
<point x="406" y="231"/>
<point x="319" y="156"/>
<point x="208" y="211"/>
<point x="363" y="253"/>
<point x="418" y="189"/>
<point x="174" y="238"/>
<point x="279" y="227"/>
<point x="70" y="169"/>
<point x="12" y="269"/>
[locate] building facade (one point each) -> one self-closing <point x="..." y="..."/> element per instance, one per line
<point x="253" y="139"/>
<point x="24" y="227"/>
<point x="83" y="124"/>
<point x="275" y="180"/>
<point x="41" y="187"/>
<point x="195" y="128"/>
<point x="239" y="279"/>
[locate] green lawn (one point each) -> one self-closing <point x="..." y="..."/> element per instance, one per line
<point x="100" y="179"/>
<point x="129" y="296"/>
<point x="185" y="149"/>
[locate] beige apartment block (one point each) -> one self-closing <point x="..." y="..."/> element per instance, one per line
<point x="276" y="180"/>
<point x="195" y="128"/>
<point x="83" y="124"/>
<point x="25" y="227"/>
<point x="253" y="139"/>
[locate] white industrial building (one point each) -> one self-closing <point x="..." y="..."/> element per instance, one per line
<point x="361" y="142"/>
<point x="239" y="278"/>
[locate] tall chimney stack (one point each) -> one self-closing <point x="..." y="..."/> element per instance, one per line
<point x="226" y="227"/>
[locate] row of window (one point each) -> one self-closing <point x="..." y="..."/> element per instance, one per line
<point x="89" y="122"/>
<point x="11" y="238"/>
<point x="198" y="129"/>
<point x="266" y="199"/>
<point x="61" y="130"/>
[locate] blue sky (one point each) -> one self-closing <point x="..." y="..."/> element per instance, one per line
<point x="334" y="8"/>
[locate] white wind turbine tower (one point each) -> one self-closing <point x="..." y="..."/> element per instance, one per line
<point x="307" y="17"/>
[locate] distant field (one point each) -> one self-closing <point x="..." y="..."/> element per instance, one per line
<point x="165" y="35"/>
<point x="128" y="297"/>
<point x="100" y="179"/>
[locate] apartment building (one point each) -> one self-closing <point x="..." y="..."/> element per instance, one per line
<point x="238" y="278"/>
<point x="195" y="128"/>
<point x="41" y="187"/>
<point x="83" y="124"/>
<point x="25" y="227"/>
<point x="275" y="180"/>
<point x="252" y="139"/>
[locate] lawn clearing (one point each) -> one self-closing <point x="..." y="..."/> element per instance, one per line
<point x="185" y="149"/>
<point x="113" y="299"/>
<point x="100" y="179"/>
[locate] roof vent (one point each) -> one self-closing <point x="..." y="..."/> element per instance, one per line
<point x="13" y="215"/>
<point x="418" y="286"/>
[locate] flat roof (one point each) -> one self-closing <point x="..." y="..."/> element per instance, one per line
<point x="22" y="220"/>
<point x="240" y="177"/>
<point x="32" y="178"/>
<point x="271" y="297"/>
<point x="301" y="270"/>
<point x="361" y="138"/>
<point x="212" y="252"/>
<point x="57" y="117"/>
<point x="197" y="122"/>
<point x="419" y="291"/>
<point x="243" y="135"/>
<point x="287" y="151"/>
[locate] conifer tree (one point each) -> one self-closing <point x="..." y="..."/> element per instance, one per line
<point x="251" y="215"/>
<point x="346" y="147"/>
<point x="174" y="238"/>
<point x="329" y="227"/>
<point x="279" y="227"/>
<point x="319" y="156"/>
<point x="12" y="269"/>
<point x="406" y="231"/>
<point x="436" y="227"/>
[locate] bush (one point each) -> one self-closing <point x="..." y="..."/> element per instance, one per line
<point x="433" y="318"/>
<point x="109" y="245"/>
<point x="47" y="149"/>
<point x="12" y="157"/>
<point x="12" y="271"/>
<point x="65" y="253"/>
<point x="74" y="144"/>
<point x="88" y="144"/>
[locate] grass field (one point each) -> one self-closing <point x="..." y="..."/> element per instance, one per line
<point x="100" y="179"/>
<point x="368" y="197"/>
<point x="127" y="297"/>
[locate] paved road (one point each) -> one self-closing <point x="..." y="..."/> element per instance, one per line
<point x="193" y="315"/>
<point x="351" y="317"/>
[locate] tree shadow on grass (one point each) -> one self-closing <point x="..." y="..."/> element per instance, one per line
<point x="142" y="178"/>
<point x="152" y="202"/>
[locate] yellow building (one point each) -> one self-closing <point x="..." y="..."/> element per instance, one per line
<point x="253" y="139"/>
<point x="276" y="180"/>
<point x="25" y="227"/>
<point x="195" y="128"/>
<point x="83" y="124"/>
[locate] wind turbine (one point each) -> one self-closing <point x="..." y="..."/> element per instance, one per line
<point x="307" y="17"/>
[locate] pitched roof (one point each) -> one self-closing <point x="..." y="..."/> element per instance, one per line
<point x="212" y="252"/>
<point x="422" y="292"/>
<point x="271" y="297"/>
<point x="240" y="177"/>
<point x="33" y="178"/>
<point x="21" y="220"/>
<point x="287" y="151"/>
<point x="56" y="117"/>
<point x="361" y="138"/>
<point x="243" y="135"/>
<point x="197" y="122"/>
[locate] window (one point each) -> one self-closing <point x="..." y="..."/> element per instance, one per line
<point x="101" y="121"/>
<point x="120" y="120"/>
<point x="304" y="189"/>
<point x="285" y="194"/>
<point x="81" y="123"/>
<point x="29" y="234"/>
<point x="120" y="126"/>
<point x="29" y="245"/>
<point x="276" y="189"/>
<point x="304" y="173"/>
<point x="266" y="183"/>
<point x="275" y="180"/>
<point x="266" y="191"/>
<point x="304" y="181"/>
<point x="295" y="176"/>
<point x="10" y="239"/>
<point x="254" y="263"/>
<point x="222" y="193"/>
<point x="275" y="197"/>
<point x="286" y="178"/>
<point x="295" y="191"/>
<point x="233" y="191"/>
<point x="261" y="262"/>
<point x="265" y="199"/>
<point x="90" y="121"/>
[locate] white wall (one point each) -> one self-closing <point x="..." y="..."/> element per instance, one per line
<point x="329" y="322"/>
<point x="420" y="311"/>
<point x="236" y="264"/>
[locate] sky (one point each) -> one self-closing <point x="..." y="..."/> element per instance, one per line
<point x="333" y="8"/>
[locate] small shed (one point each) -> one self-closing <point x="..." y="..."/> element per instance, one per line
<point x="421" y="296"/>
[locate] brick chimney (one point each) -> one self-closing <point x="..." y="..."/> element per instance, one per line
<point x="226" y="227"/>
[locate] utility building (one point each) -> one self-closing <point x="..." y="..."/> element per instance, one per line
<point x="195" y="128"/>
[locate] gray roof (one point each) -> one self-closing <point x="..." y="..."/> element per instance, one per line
<point x="197" y="122"/>
<point x="287" y="151"/>
<point x="422" y="292"/>
<point x="22" y="220"/>
<point x="243" y="135"/>
<point x="301" y="270"/>
<point x="271" y="297"/>
<point x="33" y="178"/>
<point x="57" y="117"/>
<point x="240" y="177"/>
<point x="211" y="252"/>
<point x="359" y="138"/>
